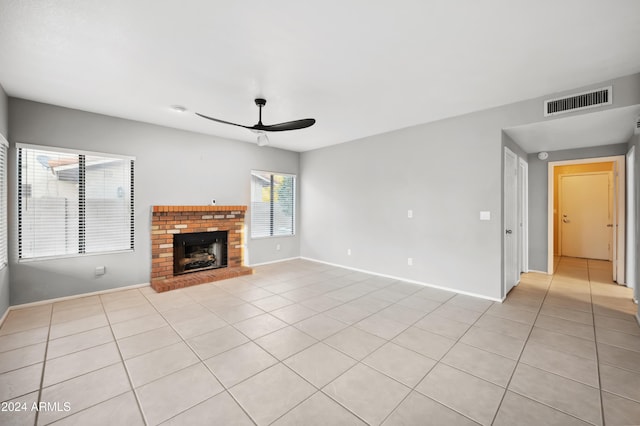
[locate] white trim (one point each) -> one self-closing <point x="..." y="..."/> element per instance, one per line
<point x="467" y="293"/>
<point x="506" y="267"/>
<point x="538" y="272"/>
<point x="72" y="151"/>
<point x="524" y="214"/>
<point x="75" y="296"/>
<point x="611" y="200"/>
<point x="275" y="261"/>
<point x="4" y="316"/>
<point x="620" y="197"/>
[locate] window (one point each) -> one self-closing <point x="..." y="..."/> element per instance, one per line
<point x="272" y="204"/>
<point x="72" y="203"/>
<point x="3" y="201"/>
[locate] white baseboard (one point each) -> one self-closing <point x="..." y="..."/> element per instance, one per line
<point x="439" y="287"/>
<point x="537" y="272"/>
<point x="4" y="316"/>
<point x="75" y="296"/>
<point x="271" y="262"/>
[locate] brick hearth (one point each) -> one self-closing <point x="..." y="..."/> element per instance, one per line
<point x="169" y="220"/>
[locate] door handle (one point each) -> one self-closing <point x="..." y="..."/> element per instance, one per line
<point x="508" y="231"/>
<point x="565" y="221"/>
<point x="609" y="225"/>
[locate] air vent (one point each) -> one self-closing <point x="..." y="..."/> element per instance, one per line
<point x="637" y="128"/>
<point x="578" y="101"/>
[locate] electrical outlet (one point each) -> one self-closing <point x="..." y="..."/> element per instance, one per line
<point x="277" y="247"/>
<point x="348" y="252"/>
<point x="409" y="214"/>
<point x="100" y="270"/>
<point x="410" y="261"/>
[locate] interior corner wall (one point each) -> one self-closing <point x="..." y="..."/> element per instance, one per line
<point x="635" y="141"/>
<point x="538" y="196"/>
<point x="356" y="196"/>
<point x="5" y="294"/>
<point x="173" y="167"/>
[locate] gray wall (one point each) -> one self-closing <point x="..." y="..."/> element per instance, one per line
<point x="4" y="272"/>
<point x="635" y="141"/>
<point x="538" y="196"/>
<point x="356" y="196"/>
<point x="173" y="167"/>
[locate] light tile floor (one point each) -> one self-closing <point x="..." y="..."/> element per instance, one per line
<point x="302" y="343"/>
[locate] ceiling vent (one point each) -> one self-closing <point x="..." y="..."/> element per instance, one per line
<point x="578" y="101"/>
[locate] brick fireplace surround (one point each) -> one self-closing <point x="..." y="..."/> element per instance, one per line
<point x="169" y="220"/>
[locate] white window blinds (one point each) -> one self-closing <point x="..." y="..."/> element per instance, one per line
<point x="272" y="204"/>
<point x="3" y="201"/>
<point x="73" y="203"/>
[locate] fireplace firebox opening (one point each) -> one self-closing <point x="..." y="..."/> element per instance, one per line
<point x="199" y="251"/>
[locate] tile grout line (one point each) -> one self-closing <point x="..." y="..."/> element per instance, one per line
<point x="200" y="360"/>
<point x="322" y="341"/>
<point x="438" y="361"/>
<point x="595" y="338"/>
<point x="133" y="389"/>
<point x="548" y="372"/>
<point x="44" y="364"/>
<point x="506" y="388"/>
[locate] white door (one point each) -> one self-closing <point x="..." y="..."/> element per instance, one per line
<point x="585" y="221"/>
<point x="631" y="221"/>
<point x="523" y="215"/>
<point x="511" y="273"/>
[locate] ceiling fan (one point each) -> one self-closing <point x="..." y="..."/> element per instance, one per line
<point x="261" y="129"/>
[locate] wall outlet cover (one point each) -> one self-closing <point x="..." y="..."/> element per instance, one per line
<point x="485" y="215"/>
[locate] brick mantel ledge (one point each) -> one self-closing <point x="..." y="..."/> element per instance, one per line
<point x="167" y="209"/>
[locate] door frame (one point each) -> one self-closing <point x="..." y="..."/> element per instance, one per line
<point x="632" y="221"/>
<point x="523" y="214"/>
<point x="506" y="267"/>
<point x="619" y="177"/>
<point x="610" y="201"/>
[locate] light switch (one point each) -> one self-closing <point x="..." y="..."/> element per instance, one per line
<point x="485" y="215"/>
<point x="409" y="214"/>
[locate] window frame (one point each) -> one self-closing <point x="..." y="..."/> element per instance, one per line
<point x="82" y="154"/>
<point x="4" y="208"/>
<point x="271" y="213"/>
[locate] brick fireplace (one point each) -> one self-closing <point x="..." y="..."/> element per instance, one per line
<point x="168" y="221"/>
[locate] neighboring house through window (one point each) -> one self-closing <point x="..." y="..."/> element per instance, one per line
<point x="272" y="204"/>
<point x="73" y="203"/>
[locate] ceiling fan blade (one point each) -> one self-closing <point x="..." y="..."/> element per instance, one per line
<point x="289" y="125"/>
<point x="222" y="121"/>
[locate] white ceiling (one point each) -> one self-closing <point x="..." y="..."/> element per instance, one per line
<point x="360" y="67"/>
<point x="580" y="131"/>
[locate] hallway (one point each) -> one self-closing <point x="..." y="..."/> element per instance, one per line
<point x="582" y="356"/>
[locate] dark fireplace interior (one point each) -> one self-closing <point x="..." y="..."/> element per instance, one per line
<point x="199" y="251"/>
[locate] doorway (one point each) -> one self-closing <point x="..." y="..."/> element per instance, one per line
<point x="585" y="208"/>
<point x="515" y="214"/>
<point x="615" y="166"/>
<point x="511" y="273"/>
